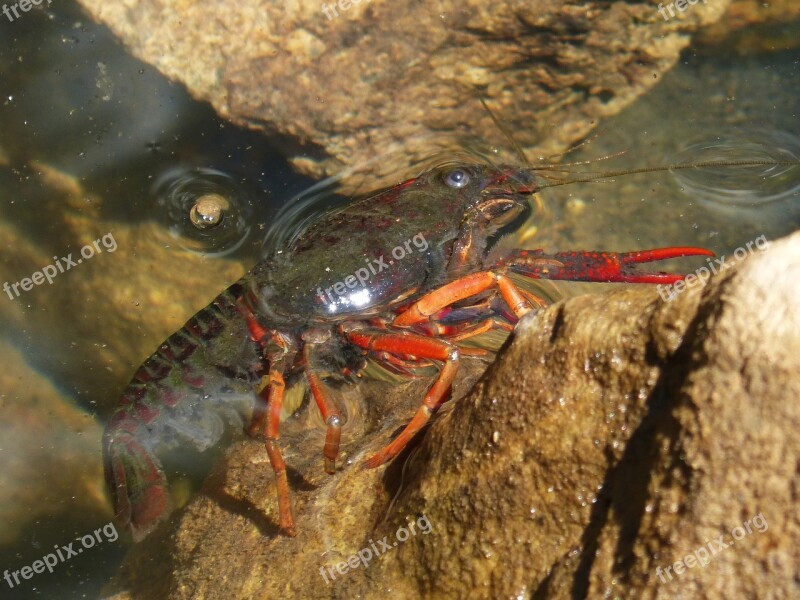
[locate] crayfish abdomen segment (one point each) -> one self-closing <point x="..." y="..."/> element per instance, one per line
<point x="200" y="377"/>
<point x="137" y="483"/>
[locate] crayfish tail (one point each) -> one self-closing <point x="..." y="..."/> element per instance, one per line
<point x="137" y="483"/>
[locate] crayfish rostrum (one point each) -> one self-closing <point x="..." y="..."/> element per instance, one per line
<point x="407" y="301"/>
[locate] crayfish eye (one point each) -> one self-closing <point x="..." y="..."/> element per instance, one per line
<point x="457" y="178"/>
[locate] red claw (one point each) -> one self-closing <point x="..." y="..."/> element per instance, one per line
<point x="598" y="266"/>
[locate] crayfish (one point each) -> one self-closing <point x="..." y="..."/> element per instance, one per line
<point x="328" y="299"/>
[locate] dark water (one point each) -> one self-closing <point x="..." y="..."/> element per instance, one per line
<point x="75" y="103"/>
<point x="90" y="139"/>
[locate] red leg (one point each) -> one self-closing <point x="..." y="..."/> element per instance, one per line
<point x="259" y="335"/>
<point x="414" y="345"/>
<point x="259" y="414"/>
<point x="431" y="303"/>
<point x="463" y="331"/>
<point x="330" y="414"/>
<point x="596" y="266"/>
<point x="533" y="298"/>
<point x="271" y="435"/>
<point x="273" y="387"/>
<point x="400" y="365"/>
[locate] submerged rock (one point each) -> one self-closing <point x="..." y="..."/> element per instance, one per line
<point x="752" y="27"/>
<point x="341" y="83"/>
<point x="134" y="290"/>
<point x="614" y="436"/>
<point x="48" y="455"/>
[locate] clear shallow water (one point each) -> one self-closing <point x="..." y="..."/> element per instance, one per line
<point x="87" y="134"/>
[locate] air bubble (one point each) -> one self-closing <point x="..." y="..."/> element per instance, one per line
<point x="208" y="211"/>
<point x="204" y="209"/>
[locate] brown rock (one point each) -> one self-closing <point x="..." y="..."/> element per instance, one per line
<point x="400" y="80"/>
<point x="751" y="27"/>
<point x="614" y="436"/>
<point x="48" y="452"/>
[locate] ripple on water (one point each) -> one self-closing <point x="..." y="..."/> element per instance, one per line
<point x="204" y="209"/>
<point x="742" y="186"/>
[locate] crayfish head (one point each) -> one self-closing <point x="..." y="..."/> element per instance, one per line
<point x="496" y="195"/>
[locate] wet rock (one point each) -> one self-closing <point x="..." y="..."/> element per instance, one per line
<point x="48" y="454"/>
<point x="400" y="80"/>
<point x="615" y="435"/>
<point x="752" y="27"/>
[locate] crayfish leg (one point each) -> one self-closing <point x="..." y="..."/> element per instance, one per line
<point x="330" y="414"/>
<point x="422" y="347"/>
<point x="464" y="287"/>
<point x="457" y="333"/>
<point x="279" y="354"/>
<point x="597" y="266"/>
<point x="259" y="414"/>
<point x="272" y="424"/>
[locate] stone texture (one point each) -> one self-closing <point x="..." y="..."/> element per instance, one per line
<point x="752" y="27"/>
<point x="386" y="84"/>
<point x="48" y="454"/>
<point x="614" y="435"/>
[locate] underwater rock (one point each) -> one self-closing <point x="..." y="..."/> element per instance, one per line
<point x="614" y="436"/>
<point x="136" y="288"/>
<point x="338" y="84"/>
<point x="753" y="27"/>
<point x="48" y="454"/>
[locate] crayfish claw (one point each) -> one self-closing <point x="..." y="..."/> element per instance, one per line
<point x="608" y="267"/>
<point x="645" y="256"/>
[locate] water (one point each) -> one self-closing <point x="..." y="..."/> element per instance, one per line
<point x="88" y="138"/>
<point x="96" y="146"/>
